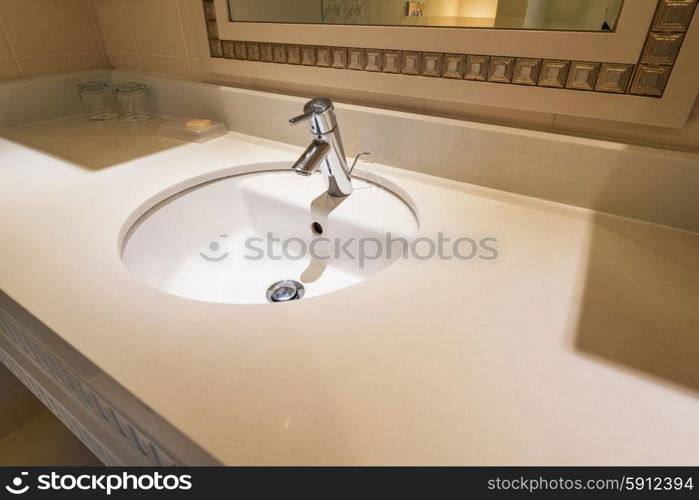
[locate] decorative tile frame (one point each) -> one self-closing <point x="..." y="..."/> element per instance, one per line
<point x="240" y="50"/>
<point x="355" y="59"/>
<point x="266" y="52"/>
<point x="614" y="78"/>
<point x="453" y="66"/>
<point x="647" y="78"/>
<point x="323" y="57"/>
<point x="374" y="60"/>
<point x="391" y="61"/>
<point x="228" y="49"/>
<point x="279" y="53"/>
<point x="410" y="63"/>
<point x="673" y="15"/>
<point x="293" y="54"/>
<point x="253" y="51"/>
<point x="338" y="57"/>
<point x="500" y="69"/>
<point x="664" y="41"/>
<point x="650" y="80"/>
<point x="431" y="64"/>
<point x="553" y="73"/>
<point x="215" y="47"/>
<point x="211" y="29"/>
<point x="308" y="55"/>
<point x="662" y="48"/>
<point x="209" y="10"/>
<point x="476" y="68"/>
<point x="526" y="71"/>
<point x="582" y="75"/>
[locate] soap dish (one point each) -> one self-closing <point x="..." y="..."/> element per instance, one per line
<point x="192" y="130"/>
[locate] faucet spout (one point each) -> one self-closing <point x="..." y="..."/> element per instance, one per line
<point x="312" y="158"/>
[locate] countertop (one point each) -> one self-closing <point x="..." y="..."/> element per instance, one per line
<point x="578" y="345"/>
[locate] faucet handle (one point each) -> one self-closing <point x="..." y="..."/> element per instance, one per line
<point x="312" y="108"/>
<point x="301" y="118"/>
<point x="319" y="112"/>
<point x="355" y="160"/>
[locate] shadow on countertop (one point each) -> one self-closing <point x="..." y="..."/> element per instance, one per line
<point x="640" y="303"/>
<point x="93" y="145"/>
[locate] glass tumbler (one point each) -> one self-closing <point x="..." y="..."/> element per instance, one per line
<point x="98" y="100"/>
<point x="132" y="98"/>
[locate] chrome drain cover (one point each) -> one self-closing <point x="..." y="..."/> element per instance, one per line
<point x="285" y="290"/>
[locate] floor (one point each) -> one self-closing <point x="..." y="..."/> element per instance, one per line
<point x="30" y="435"/>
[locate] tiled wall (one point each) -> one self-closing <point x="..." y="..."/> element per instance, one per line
<point x="648" y="78"/>
<point x="48" y="36"/>
<point x="157" y="36"/>
<point x="161" y="36"/>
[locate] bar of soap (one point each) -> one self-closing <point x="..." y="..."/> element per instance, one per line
<point x="193" y="129"/>
<point x="198" y="124"/>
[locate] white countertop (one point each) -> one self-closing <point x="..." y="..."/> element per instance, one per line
<point x="579" y="345"/>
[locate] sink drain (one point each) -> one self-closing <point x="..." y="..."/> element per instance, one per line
<point x="285" y="290"/>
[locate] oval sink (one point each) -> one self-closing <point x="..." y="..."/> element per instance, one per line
<point x="231" y="240"/>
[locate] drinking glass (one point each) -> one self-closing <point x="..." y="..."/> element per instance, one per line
<point x="132" y="98"/>
<point x="98" y="100"/>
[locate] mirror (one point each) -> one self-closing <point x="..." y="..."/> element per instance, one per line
<point x="570" y="15"/>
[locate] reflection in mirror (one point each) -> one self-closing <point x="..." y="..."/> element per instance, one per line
<point x="581" y="15"/>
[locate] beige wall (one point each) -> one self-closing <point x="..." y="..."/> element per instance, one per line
<point x="48" y="36"/>
<point x="686" y="138"/>
<point x="168" y="44"/>
<point x="161" y="36"/>
<point x="158" y="36"/>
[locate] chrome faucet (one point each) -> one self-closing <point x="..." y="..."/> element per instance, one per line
<point x="326" y="151"/>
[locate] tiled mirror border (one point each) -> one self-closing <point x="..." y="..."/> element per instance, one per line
<point x="647" y="78"/>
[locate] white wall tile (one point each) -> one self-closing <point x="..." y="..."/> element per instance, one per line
<point x="61" y="63"/>
<point x="157" y="27"/>
<point x="190" y="25"/>
<point x="114" y="22"/>
<point x="44" y="27"/>
<point x="165" y="65"/>
<point x="8" y="69"/>
<point x="48" y="36"/>
<point x="163" y="36"/>
<point x="51" y="96"/>
<point x="5" y="52"/>
<point x="124" y="60"/>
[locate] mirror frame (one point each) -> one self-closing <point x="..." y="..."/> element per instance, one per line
<point x="611" y="68"/>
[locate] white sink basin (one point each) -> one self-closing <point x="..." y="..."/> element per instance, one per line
<point x="212" y="242"/>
